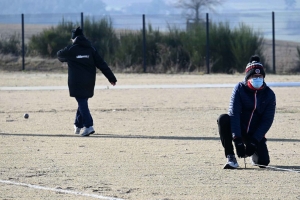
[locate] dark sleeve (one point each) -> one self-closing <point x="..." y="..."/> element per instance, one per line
<point x="234" y="112"/>
<point x="103" y="67"/>
<point x="267" y="117"/>
<point x="62" y="55"/>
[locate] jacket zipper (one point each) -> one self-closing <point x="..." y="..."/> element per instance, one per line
<point x="252" y="112"/>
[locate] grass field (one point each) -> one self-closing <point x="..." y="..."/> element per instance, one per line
<point x="149" y="143"/>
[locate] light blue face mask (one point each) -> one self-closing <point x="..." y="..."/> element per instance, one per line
<point x="257" y="82"/>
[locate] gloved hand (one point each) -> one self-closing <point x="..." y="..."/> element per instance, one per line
<point x="240" y="147"/>
<point x="251" y="147"/>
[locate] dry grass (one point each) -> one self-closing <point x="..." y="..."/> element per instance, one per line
<point x="11" y="63"/>
<point x="287" y="59"/>
<point x="6" y="30"/>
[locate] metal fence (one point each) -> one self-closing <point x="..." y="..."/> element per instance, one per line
<point x="280" y="30"/>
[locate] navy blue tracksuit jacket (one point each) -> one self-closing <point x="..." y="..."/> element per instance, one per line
<point x="251" y="111"/>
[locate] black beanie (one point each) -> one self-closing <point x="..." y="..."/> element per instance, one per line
<point x="254" y="67"/>
<point x="76" y="32"/>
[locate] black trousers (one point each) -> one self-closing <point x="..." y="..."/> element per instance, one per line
<point x="261" y="155"/>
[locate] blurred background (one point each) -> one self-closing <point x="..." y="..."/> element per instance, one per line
<point x="156" y="36"/>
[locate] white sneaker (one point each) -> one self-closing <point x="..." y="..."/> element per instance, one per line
<point x="253" y="161"/>
<point x="87" y="131"/>
<point x="77" y="130"/>
<point x="231" y="162"/>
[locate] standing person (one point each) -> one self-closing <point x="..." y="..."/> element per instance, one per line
<point x="250" y="116"/>
<point x="82" y="59"/>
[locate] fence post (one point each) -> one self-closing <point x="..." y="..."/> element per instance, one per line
<point x="144" y="45"/>
<point x="273" y="41"/>
<point x="81" y="16"/>
<point x="23" y="46"/>
<point x="207" y="43"/>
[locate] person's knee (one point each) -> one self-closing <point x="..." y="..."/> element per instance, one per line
<point x="223" y="120"/>
<point x="264" y="162"/>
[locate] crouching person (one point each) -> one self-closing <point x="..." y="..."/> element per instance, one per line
<point x="250" y="116"/>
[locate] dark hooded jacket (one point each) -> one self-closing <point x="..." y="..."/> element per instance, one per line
<point x="251" y="111"/>
<point x="82" y="59"/>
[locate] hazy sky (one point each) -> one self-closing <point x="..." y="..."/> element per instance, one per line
<point x="135" y="6"/>
<point x="272" y="5"/>
<point x="122" y="3"/>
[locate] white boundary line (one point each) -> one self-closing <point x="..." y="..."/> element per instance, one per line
<point x="58" y="190"/>
<point x="163" y="86"/>
<point x="277" y="168"/>
<point x="271" y="167"/>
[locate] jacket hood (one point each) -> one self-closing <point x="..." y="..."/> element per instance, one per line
<point x="82" y="41"/>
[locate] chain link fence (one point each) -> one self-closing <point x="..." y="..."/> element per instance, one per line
<point x="284" y="30"/>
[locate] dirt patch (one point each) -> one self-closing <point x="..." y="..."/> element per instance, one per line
<point x="149" y="143"/>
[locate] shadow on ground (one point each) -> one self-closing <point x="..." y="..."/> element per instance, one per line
<point x="137" y="137"/>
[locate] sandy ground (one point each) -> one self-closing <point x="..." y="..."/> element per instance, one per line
<point x="149" y="143"/>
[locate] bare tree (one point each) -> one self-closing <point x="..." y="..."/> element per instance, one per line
<point x="194" y="7"/>
<point x="290" y="4"/>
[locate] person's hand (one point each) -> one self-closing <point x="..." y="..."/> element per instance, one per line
<point x="251" y="147"/>
<point x="240" y="147"/>
<point x="113" y="83"/>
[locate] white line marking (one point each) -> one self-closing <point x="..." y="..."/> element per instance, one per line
<point x="58" y="190"/>
<point x="276" y="168"/>
<point x="171" y="86"/>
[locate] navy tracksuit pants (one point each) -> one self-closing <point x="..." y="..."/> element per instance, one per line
<point x="261" y="155"/>
<point x="83" y="116"/>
